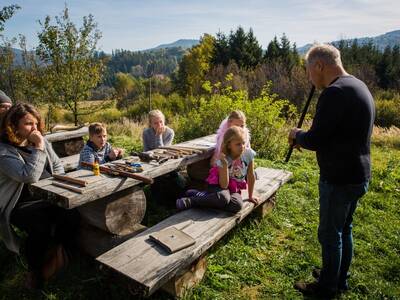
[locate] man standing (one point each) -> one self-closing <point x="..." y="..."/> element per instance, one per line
<point x="340" y="134"/>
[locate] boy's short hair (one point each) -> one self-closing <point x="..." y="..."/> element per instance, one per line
<point x="96" y="128"/>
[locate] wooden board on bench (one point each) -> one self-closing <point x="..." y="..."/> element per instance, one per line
<point x="67" y="135"/>
<point x="151" y="266"/>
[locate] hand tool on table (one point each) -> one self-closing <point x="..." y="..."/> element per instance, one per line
<point x="162" y="153"/>
<point x="134" y="168"/>
<point x="67" y="186"/>
<point x="109" y="170"/>
<point x="143" y="156"/>
<point x="186" y="149"/>
<point x="156" y="157"/>
<point x="192" y="149"/>
<point x="300" y="123"/>
<point x="177" y="150"/>
<point x="70" y="179"/>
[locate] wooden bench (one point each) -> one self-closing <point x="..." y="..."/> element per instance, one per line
<point x="151" y="267"/>
<point x="68" y="145"/>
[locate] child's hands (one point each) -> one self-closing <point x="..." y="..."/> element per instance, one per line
<point x="120" y="152"/>
<point x="222" y="158"/>
<point x="115" y="153"/>
<point x="160" y="130"/>
<point x="254" y="200"/>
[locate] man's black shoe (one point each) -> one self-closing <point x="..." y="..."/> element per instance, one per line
<point x="316" y="272"/>
<point x="313" y="289"/>
<point x="343" y="287"/>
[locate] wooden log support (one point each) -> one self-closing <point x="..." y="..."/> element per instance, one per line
<point x="95" y="242"/>
<point x="187" y="278"/>
<point x="199" y="170"/>
<point x="117" y="214"/>
<point x="265" y="208"/>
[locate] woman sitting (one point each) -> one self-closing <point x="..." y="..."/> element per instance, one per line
<point x="26" y="157"/>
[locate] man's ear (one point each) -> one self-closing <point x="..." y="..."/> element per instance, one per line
<point x="319" y="65"/>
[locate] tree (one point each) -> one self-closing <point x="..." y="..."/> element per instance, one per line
<point x="383" y="68"/>
<point x="221" y="50"/>
<point x="237" y="46"/>
<point x="194" y="66"/>
<point x="253" y="51"/>
<point x="7" y="70"/>
<point x="69" y="54"/>
<point x="273" y="50"/>
<point x="282" y="53"/>
<point x="6" y="13"/>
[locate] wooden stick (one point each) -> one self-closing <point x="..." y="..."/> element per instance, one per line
<point x="300" y="123"/>
<point x="70" y="179"/>
<point x="195" y="150"/>
<point x="68" y="187"/>
<point x="176" y="150"/>
<point x="107" y="170"/>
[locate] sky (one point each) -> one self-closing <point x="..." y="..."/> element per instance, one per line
<point x="138" y="25"/>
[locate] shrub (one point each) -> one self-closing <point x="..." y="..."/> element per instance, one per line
<point x="170" y="106"/>
<point x="108" y="115"/>
<point x="266" y="119"/>
<point x="387" y="112"/>
<point x="126" y="134"/>
<point x="386" y="137"/>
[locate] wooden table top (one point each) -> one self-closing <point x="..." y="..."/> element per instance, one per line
<point x="105" y="185"/>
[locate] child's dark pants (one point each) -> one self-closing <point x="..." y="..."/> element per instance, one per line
<point x="219" y="198"/>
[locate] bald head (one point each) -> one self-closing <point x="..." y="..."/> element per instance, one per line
<point x="324" y="64"/>
<point x="325" y="53"/>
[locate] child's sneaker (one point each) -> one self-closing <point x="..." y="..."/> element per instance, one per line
<point x="195" y="193"/>
<point x="183" y="203"/>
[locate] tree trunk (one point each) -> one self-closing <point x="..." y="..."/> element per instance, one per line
<point x="75" y="113"/>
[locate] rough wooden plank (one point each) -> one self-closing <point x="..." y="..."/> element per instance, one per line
<point x="149" y="265"/>
<point x="67" y="135"/>
<point x="117" y="214"/>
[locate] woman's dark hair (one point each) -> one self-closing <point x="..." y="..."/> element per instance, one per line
<point x="9" y="124"/>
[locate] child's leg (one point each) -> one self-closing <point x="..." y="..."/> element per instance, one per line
<point x="235" y="204"/>
<point x="218" y="199"/>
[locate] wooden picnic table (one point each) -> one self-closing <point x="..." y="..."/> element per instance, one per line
<point x="117" y="204"/>
<point x="105" y="185"/>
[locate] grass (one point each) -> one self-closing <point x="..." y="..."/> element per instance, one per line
<point x="261" y="259"/>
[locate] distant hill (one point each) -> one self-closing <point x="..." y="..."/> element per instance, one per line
<point x="391" y="39"/>
<point x="17" y="56"/>
<point x="182" y="43"/>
